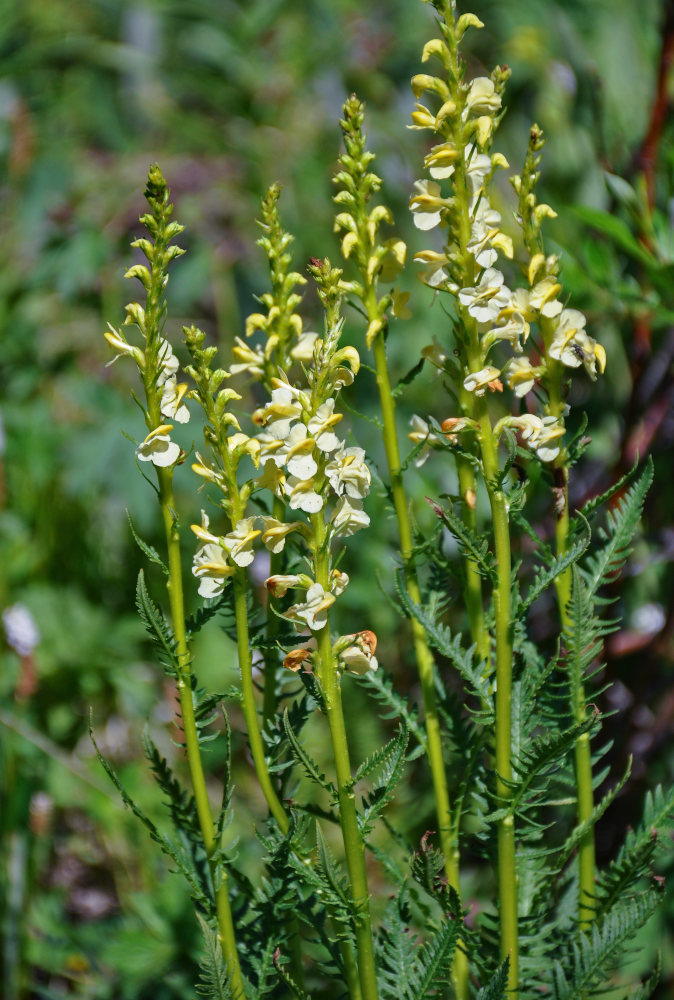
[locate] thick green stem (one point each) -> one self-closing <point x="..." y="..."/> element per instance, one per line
<point x="447" y="828"/>
<point x="473" y="588"/>
<point x="354" y="847"/>
<point x="507" y="871"/>
<point x="249" y="707"/>
<point x="175" y="591"/>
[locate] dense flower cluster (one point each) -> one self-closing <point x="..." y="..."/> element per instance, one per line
<point x="468" y="265"/>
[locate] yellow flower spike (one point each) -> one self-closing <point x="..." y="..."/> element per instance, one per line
<point x="348" y="243"/>
<point x="422" y="82"/>
<point x="295" y="323"/>
<point x="344" y="220"/>
<point x="436" y="47"/>
<point x="272" y="343"/>
<point x="422" y="118"/>
<point x="305" y="446"/>
<point x="430" y="257"/>
<point x="499" y="160"/>
<point x="375" y="327"/>
<point x="467" y="21"/>
<point x="447" y="109"/>
<point x="483" y="129"/>
<point x="600" y="355"/>
<point x="141" y="272"/>
<point x="503" y="243"/>
<point x="220" y="569"/>
<point x="203" y="534"/>
<point x="162" y="429"/>
<point x="255" y="322"/>
<point x="535" y="264"/>
<point x="350" y="356"/>
<point x="400" y="307"/>
<point x="543" y="211"/>
<point x="399" y="250"/>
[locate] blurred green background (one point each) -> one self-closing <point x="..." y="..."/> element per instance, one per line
<point x="229" y="97"/>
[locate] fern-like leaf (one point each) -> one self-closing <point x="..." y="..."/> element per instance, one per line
<point x="157" y="627"/>
<point x="496" y="988"/>
<point x="544" y="577"/>
<point x="308" y="765"/>
<point x="148" y="550"/>
<point x="604" y="564"/>
<point x="473" y="547"/>
<point x="214" y="975"/>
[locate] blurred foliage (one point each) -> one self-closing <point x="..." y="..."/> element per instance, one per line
<point x="229" y="97"/>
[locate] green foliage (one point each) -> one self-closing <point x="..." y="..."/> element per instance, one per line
<point x="157" y="628"/>
<point x="215" y="978"/>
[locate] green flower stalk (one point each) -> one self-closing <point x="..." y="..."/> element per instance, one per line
<point x="221" y="558"/>
<point x="565" y="346"/>
<point x="490" y="316"/>
<point x="164" y="397"/>
<point x="378" y="262"/>
<point x="307" y="463"/>
<point x="285" y="343"/>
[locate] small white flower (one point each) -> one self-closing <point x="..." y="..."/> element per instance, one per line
<point x="435" y="353"/>
<point x="359" y="657"/>
<point x="426" y="205"/>
<point x="238" y="543"/>
<point x="304" y="348"/>
<point x="486" y="300"/>
<point x="167" y="361"/>
<point x="172" y="405"/>
<point x="515" y="327"/>
<point x="482" y="98"/>
<point x="542" y="297"/>
<point x="280" y="414"/>
<point x="546" y="441"/>
<point x="321" y="424"/>
<point x="279" y="585"/>
<point x="248" y="359"/>
<point x="573" y="346"/>
<point x="297" y="451"/>
<point x="338" y="582"/>
<point x="274" y="532"/>
<point x="422" y="432"/>
<point x="314" y="611"/>
<point x="302" y="495"/>
<point x="211" y="569"/>
<point x="348" y="517"/>
<point x="21" y="632"/>
<point x="479" y="382"/>
<point x="158" y="447"/>
<point x="347" y="472"/>
<point x="434" y="274"/>
<point x="520" y="375"/>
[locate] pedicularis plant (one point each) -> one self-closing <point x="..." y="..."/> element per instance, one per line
<point x="514" y="761"/>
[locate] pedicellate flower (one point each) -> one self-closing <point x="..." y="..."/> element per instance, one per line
<point x="158" y="447"/>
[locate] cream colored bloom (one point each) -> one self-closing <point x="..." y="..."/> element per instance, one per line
<point x="297" y="453"/>
<point x="321" y="426"/>
<point x="281" y="412"/>
<point x="435" y="274"/>
<point x="314" y="611"/>
<point x="348" y="517"/>
<point x="573" y="346"/>
<point x="118" y="341"/>
<point x="167" y="362"/>
<point x="304" y="348"/>
<point x="347" y="472"/>
<point x="279" y="585"/>
<point x="543" y="297"/>
<point x="485" y="301"/>
<point x="399" y="307"/>
<point x="520" y="375"/>
<point x="547" y="441"/>
<point x="479" y="382"/>
<point x="511" y="330"/>
<point x="422" y="432"/>
<point x="338" y="582"/>
<point x="211" y="569"/>
<point x="249" y="359"/>
<point x="275" y="532"/>
<point x="359" y="658"/>
<point x="172" y="405"/>
<point x="238" y="543"/>
<point x="158" y="447"/>
<point x="482" y="98"/>
<point x="302" y="495"/>
<point x="427" y="205"/>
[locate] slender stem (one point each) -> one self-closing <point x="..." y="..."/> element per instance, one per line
<point x="447" y="828"/>
<point x="175" y="591"/>
<point x="473" y="588"/>
<point x="271" y="654"/>
<point x="354" y="847"/>
<point x="582" y="751"/>
<point x="249" y="706"/>
<point x="507" y="871"/>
